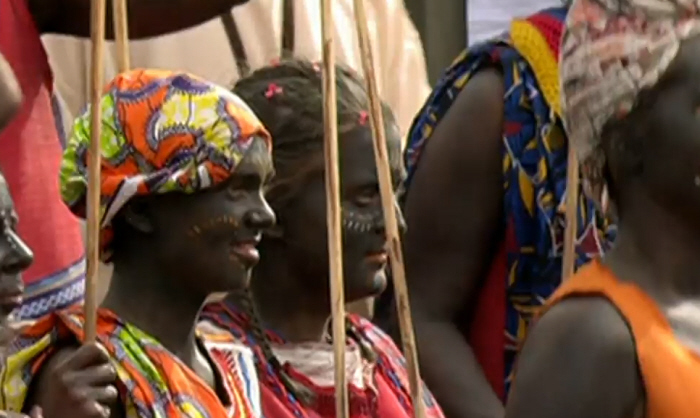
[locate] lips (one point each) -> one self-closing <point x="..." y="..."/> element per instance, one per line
<point x="378" y="257"/>
<point x="11" y="292"/>
<point x="246" y="251"/>
<point x="9" y="302"/>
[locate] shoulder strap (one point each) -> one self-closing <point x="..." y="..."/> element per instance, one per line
<point x="237" y="48"/>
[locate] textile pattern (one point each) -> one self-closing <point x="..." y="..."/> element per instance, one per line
<point x="152" y="382"/>
<point x="390" y="364"/>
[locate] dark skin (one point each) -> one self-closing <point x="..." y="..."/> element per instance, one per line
<point x="203" y="244"/>
<point x="291" y="285"/>
<point x="147" y="18"/>
<point x="454" y="214"/>
<point x="15" y="257"/>
<point x="655" y="176"/>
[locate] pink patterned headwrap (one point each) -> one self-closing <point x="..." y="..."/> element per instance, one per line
<point x="611" y="50"/>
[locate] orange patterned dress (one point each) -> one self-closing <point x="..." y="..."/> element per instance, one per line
<point x="153" y="383"/>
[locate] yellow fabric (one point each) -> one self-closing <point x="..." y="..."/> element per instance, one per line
<point x="534" y="48"/>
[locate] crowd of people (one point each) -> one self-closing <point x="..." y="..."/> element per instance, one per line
<point x="209" y="189"/>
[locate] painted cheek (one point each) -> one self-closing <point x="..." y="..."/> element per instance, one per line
<point x="359" y="221"/>
<point x="212" y="224"/>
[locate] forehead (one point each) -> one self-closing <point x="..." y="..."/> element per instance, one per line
<point x="357" y="152"/>
<point x="257" y="161"/>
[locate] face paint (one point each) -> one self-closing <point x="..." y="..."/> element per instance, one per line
<point x="362" y="221"/>
<point x="213" y="223"/>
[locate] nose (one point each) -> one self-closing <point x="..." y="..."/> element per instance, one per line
<point x="380" y="225"/>
<point x="261" y="216"/>
<point x="18" y="256"/>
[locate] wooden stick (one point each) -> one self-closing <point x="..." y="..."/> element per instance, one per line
<point x="121" y="34"/>
<point x="571" y="214"/>
<point x="335" y="245"/>
<point x="97" y="25"/>
<point x="389" y="208"/>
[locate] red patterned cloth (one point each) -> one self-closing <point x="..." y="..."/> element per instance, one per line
<point x="383" y="390"/>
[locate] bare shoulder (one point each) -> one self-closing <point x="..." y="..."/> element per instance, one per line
<point x="454" y="202"/>
<point x="578" y="361"/>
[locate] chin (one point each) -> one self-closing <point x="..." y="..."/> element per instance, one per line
<point x="374" y="283"/>
<point x="379" y="282"/>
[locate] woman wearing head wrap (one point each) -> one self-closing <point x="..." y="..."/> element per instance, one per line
<point x="620" y="339"/>
<point x="487" y="163"/>
<point x="182" y="209"/>
<point x="285" y="319"/>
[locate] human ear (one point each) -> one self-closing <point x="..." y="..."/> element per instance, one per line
<point x="136" y="216"/>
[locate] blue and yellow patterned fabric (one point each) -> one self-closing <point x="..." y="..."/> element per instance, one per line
<point x="535" y="152"/>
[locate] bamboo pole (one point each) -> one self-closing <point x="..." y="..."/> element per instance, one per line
<point x="332" y="177"/>
<point x="97" y="29"/>
<point x="121" y="34"/>
<point x="571" y="214"/>
<point x="389" y="208"/>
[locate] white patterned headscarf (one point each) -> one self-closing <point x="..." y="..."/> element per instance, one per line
<point x="611" y="50"/>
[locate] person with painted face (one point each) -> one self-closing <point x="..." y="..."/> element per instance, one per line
<point x="182" y="209"/>
<point x="285" y="318"/>
<point x="15" y="257"/>
<point x="620" y="338"/>
<point x="15" y="254"/>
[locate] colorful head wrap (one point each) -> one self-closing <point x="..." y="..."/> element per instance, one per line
<point x="611" y="50"/>
<point x="162" y="132"/>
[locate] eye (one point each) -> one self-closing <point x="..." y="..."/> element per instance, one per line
<point x="237" y="192"/>
<point x="367" y="197"/>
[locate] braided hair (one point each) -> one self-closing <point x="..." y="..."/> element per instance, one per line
<point x="287" y="97"/>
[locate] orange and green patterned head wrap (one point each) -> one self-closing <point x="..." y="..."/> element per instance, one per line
<point x="162" y="132"/>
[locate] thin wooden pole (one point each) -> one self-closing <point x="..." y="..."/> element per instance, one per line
<point x="381" y="159"/>
<point x="121" y="34"/>
<point x="97" y="28"/>
<point x="335" y="245"/>
<point x="571" y="214"/>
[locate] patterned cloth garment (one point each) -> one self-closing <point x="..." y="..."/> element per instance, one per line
<point x="534" y="176"/>
<point x="379" y="388"/>
<point x="30" y="155"/>
<point x="152" y="382"/>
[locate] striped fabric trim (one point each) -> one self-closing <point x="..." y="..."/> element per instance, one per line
<point x="57" y="291"/>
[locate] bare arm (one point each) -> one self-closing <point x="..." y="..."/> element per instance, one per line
<point x="578" y="361"/>
<point x="10" y="93"/>
<point x="453" y="211"/>
<point x="147" y="18"/>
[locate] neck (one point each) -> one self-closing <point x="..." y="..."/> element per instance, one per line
<point x="285" y="304"/>
<point x="142" y="295"/>
<point x="659" y="251"/>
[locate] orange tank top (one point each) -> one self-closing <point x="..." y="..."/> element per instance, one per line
<point x="670" y="371"/>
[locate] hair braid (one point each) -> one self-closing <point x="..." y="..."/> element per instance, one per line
<point x="244" y="298"/>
